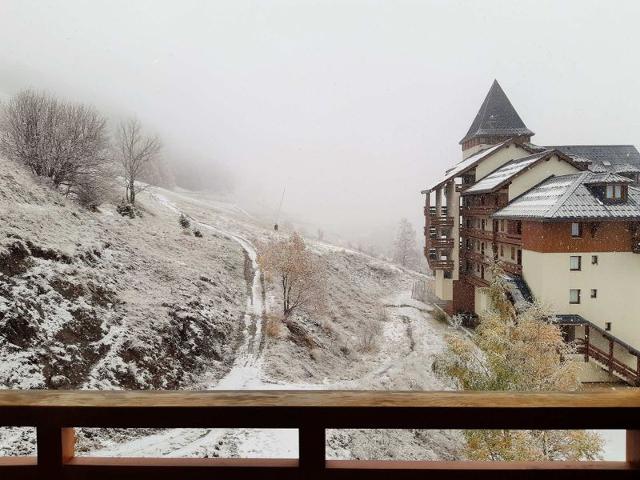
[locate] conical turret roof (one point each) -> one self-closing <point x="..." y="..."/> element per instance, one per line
<point x="496" y="117"/>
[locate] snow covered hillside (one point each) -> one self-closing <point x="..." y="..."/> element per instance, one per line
<point x="101" y="301"/>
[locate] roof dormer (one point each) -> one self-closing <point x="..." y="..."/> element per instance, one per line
<point x="608" y="187"/>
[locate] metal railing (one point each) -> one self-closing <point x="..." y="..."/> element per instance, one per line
<point x="55" y="413"/>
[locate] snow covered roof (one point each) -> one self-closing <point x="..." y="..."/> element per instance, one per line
<point x="567" y="197"/>
<point x="506" y="173"/>
<point x="603" y="157"/>
<point x="519" y="291"/>
<point x="496" y="117"/>
<point x="621" y="168"/>
<point x="604" y="178"/>
<point x="465" y="165"/>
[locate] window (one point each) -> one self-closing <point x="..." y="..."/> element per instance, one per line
<point x="594" y="259"/>
<point x="483" y="224"/>
<point x="513" y="253"/>
<point x="575" y="263"/>
<point x="502" y="250"/>
<point x="519" y="257"/>
<point x="574" y="295"/>
<point x="607" y="326"/>
<point x="594" y="293"/>
<point x="614" y="192"/>
<point x="519" y="227"/>
<point x="502" y="225"/>
<point x="576" y="230"/>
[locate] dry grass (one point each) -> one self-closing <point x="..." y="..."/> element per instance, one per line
<point x="274" y="327"/>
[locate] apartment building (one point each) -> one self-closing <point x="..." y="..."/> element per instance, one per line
<point x="563" y="221"/>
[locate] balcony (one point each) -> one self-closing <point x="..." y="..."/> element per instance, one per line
<point x="509" y="237"/>
<point x="479" y="210"/>
<point x="441" y="243"/>
<point x="54" y="414"/>
<point x="479" y="257"/>
<point x="475" y="280"/>
<point x="440" y="221"/>
<point x="477" y="233"/>
<point x="512" y="268"/>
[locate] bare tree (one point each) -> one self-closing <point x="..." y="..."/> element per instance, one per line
<point x="300" y="276"/>
<point x="63" y="141"/>
<point x="135" y="152"/>
<point x="405" y="247"/>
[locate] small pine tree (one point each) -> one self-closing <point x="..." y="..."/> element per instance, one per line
<point x="405" y="247"/>
<point x="517" y="351"/>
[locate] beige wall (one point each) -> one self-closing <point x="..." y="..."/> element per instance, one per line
<point x="481" y="300"/>
<point x="543" y="170"/>
<point x="616" y="278"/>
<point x="453" y="210"/>
<point x="444" y="286"/>
<point x="475" y="149"/>
<point x="498" y="159"/>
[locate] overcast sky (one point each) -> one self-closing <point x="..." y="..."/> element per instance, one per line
<point x="354" y="105"/>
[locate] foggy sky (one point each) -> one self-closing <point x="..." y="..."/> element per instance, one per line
<point x="355" y="106"/>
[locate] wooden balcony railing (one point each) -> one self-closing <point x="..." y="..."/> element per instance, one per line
<point x="608" y="361"/>
<point x="479" y="210"/>
<point x="477" y="233"/>
<point x="513" y="268"/>
<point x="440" y="221"/>
<point x="435" y="264"/>
<point x="55" y="413"/>
<point x="441" y="243"/>
<point x="508" y="237"/>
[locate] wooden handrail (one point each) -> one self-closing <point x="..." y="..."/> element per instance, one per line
<point x="608" y="361"/>
<point x="55" y="413"/>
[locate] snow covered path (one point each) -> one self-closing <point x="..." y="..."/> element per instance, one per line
<point x="406" y="332"/>
<point x="245" y="374"/>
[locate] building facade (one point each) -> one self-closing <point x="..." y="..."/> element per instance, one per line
<point x="562" y="221"/>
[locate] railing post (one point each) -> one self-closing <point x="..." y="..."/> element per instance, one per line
<point x="633" y="446"/>
<point x="312" y="451"/>
<point x="56" y="445"/>
<point x="586" y="343"/>
<point x="611" y="356"/>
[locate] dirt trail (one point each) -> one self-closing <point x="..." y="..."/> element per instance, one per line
<point x="246" y="372"/>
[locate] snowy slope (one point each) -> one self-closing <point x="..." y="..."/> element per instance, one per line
<point x="95" y="300"/>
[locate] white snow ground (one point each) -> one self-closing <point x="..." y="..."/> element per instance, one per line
<point x="410" y="337"/>
<point x="144" y="263"/>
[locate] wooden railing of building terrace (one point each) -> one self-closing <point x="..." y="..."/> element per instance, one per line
<point x="56" y="413"/>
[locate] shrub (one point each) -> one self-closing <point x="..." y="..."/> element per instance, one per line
<point x="126" y="210"/>
<point x="369" y="334"/>
<point x="440" y="316"/>
<point x="184" y="221"/>
<point x="274" y="327"/>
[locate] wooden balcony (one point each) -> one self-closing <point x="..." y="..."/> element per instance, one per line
<point x="441" y="243"/>
<point x="54" y="414"/>
<point x="440" y="221"/>
<point x="507" y="237"/>
<point x="474" y="279"/>
<point x="440" y="264"/>
<point x="477" y="233"/>
<point x="478" y="257"/>
<point x="512" y="268"/>
<point x="479" y="210"/>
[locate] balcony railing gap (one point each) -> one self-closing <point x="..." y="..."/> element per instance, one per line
<point x="55" y="413"/>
